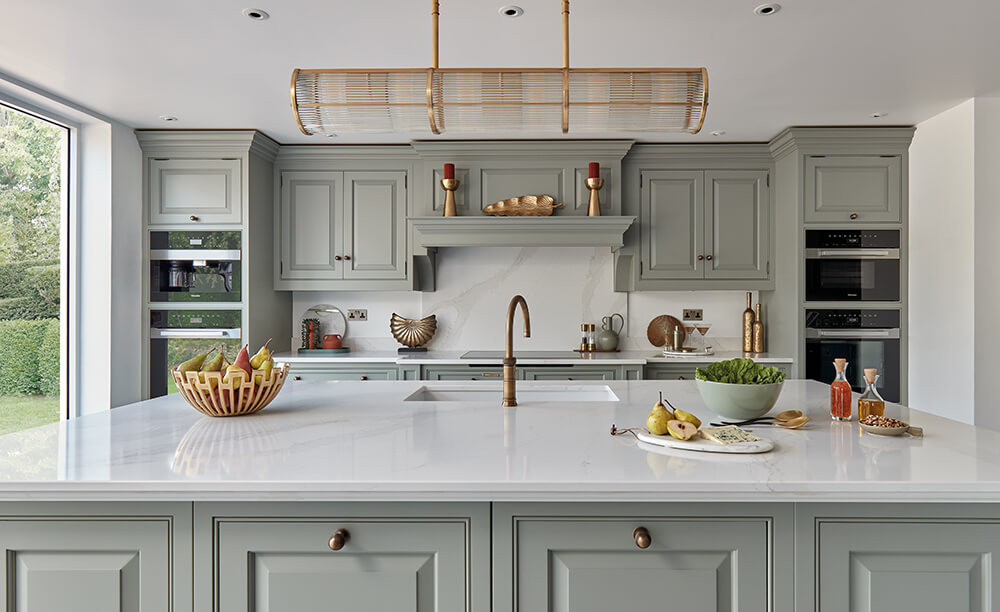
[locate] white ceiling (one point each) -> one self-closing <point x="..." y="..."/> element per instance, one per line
<point x="816" y="62"/>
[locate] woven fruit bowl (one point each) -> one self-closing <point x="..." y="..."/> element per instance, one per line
<point x="209" y="393"/>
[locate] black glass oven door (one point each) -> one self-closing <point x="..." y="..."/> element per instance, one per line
<point x="860" y="354"/>
<point x="836" y="280"/>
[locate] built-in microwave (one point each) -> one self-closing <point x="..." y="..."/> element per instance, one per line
<point x="178" y="335"/>
<point x="852" y="265"/>
<point x="194" y="266"/>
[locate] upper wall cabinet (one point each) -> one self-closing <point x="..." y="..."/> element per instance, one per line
<point x="853" y="188"/>
<point x="191" y="190"/>
<point x="704" y="225"/>
<point x="334" y="227"/>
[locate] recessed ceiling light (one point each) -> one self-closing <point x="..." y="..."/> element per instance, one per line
<point x="718" y="132"/>
<point x="878" y="115"/>
<point x="511" y="11"/>
<point x="255" y="14"/>
<point x="168" y="118"/>
<point x="767" y="9"/>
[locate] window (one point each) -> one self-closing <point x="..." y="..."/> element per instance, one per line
<point x="33" y="280"/>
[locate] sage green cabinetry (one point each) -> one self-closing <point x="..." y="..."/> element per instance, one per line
<point x="194" y="190"/>
<point x="582" y="372"/>
<point x="96" y="557"/>
<point x="705" y="218"/>
<point x="853" y="188"/>
<point x="462" y="372"/>
<point x="873" y="557"/>
<point x="587" y="557"/>
<point x="341" y="226"/>
<point x="344" y="371"/>
<point x="280" y="557"/>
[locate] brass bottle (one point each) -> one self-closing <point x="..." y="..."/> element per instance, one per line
<point x="758" y="333"/>
<point x="748" y="319"/>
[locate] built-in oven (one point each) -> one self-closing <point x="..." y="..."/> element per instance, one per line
<point x="178" y="335"/>
<point x="866" y="338"/>
<point x="194" y="266"/>
<point x="852" y="265"/>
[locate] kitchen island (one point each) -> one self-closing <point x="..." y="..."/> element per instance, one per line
<point x="462" y="505"/>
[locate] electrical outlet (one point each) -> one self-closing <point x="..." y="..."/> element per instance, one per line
<point x="357" y="314"/>
<point x="692" y="314"/>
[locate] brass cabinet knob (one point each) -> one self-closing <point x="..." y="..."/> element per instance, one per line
<point x="338" y="257"/>
<point x="709" y="258"/>
<point x="193" y="218"/>
<point x="700" y="257"/>
<point x="296" y="378"/>
<point x="854" y="216"/>
<point x="347" y="258"/>
<point x="364" y="378"/>
<point x="639" y="534"/>
<point x="681" y="378"/>
<point x="340" y="537"/>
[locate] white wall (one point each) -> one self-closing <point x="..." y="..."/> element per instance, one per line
<point x="987" y="260"/>
<point x="563" y="287"/>
<point x="942" y="287"/>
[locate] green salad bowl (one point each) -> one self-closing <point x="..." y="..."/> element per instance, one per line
<point x="739" y="402"/>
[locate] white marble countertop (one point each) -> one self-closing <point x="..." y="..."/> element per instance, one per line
<point x="361" y="441"/>
<point x="637" y="357"/>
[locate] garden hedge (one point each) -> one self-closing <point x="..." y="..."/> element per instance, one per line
<point x="49" y="358"/>
<point x="21" y="355"/>
<point x="29" y="290"/>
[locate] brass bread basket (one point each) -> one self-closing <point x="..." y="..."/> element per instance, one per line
<point x="216" y="398"/>
<point x="523" y="206"/>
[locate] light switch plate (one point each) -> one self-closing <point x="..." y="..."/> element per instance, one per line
<point x="357" y="314"/>
<point x="692" y="314"/>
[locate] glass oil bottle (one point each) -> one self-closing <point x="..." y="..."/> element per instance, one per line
<point x="870" y="402"/>
<point x="840" y="393"/>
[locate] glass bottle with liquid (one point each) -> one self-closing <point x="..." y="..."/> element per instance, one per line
<point x="840" y="393"/>
<point x="870" y="402"/>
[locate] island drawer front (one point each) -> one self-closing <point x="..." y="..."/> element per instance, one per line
<point x="571" y="373"/>
<point x="915" y="565"/>
<point x="281" y="565"/>
<point x="597" y="564"/>
<point x="670" y="371"/>
<point x="332" y="372"/>
<point x="463" y="372"/>
<point x="96" y="557"/>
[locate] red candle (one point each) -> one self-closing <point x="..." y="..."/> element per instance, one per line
<point x="449" y="171"/>
<point x="595" y="170"/>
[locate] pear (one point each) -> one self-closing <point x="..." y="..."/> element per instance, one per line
<point x="265" y="367"/>
<point x="660" y="404"/>
<point x="195" y="363"/>
<point x="234" y="374"/>
<point x="243" y="361"/>
<point x="657" y="420"/>
<point x="261" y="356"/>
<point x="215" y="365"/>
<point x="680" y="415"/>
<point x="682" y="430"/>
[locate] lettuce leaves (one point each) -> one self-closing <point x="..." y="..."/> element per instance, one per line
<point x="740" y="372"/>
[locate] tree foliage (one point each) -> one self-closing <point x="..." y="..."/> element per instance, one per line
<point x="30" y="187"/>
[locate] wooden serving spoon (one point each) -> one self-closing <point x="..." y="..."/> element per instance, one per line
<point x="781" y="417"/>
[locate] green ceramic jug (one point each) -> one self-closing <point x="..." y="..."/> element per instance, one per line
<point x="607" y="340"/>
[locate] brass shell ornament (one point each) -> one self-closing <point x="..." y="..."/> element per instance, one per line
<point x="523" y="206"/>
<point x="412" y="332"/>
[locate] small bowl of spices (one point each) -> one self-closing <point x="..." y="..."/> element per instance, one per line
<point x="885" y="426"/>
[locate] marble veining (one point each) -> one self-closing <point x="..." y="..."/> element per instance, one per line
<point x="361" y="441"/>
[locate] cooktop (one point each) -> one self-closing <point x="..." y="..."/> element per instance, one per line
<point x="522" y="355"/>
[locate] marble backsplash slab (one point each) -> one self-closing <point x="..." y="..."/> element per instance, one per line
<point x="564" y="287"/>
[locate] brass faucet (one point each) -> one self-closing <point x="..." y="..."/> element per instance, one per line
<point x="509" y="395"/>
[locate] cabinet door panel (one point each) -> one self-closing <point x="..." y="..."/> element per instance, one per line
<point x="208" y="189"/>
<point x="570" y="373"/>
<point x="375" y="222"/>
<point x="463" y="372"/>
<point x="311" y="216"/>
<point x="737" y="224"/>
<point x="333" y="372"/>
<point x="868" y="567"/>
<point x="672" y="224"/>
<point x="87" y="565"/>
<point x="584" y="565"/>
<point x="670" y="372"/>
<point x="867" y="186"/>
<point x="273" y="566"/>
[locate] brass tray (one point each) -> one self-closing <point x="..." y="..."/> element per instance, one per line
<point x="523" y="206"/>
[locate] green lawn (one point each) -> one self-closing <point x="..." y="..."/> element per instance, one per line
<point x="19" y="412"/>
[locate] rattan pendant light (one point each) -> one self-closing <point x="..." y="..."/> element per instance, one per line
<point x="584" y="100"/>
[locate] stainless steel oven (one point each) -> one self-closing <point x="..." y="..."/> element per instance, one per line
<point x="177" y="335"/>
<point x="194" y="266"/>
<point x="852" y="265"/>
<point x="866" y="338"/>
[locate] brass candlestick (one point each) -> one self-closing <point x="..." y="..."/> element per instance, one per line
<point x="594" y="184"/>
<point x="450" y="185"/>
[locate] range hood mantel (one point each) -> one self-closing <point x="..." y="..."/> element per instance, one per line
<point x="568" y="231"/>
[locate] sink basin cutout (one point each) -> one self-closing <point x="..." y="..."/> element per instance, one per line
<point x="600" y="393"/>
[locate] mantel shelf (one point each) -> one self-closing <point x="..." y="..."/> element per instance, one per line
<point x="431" y="232"/>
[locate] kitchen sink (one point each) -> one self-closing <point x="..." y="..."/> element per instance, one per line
<point x="561" y="393"/>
